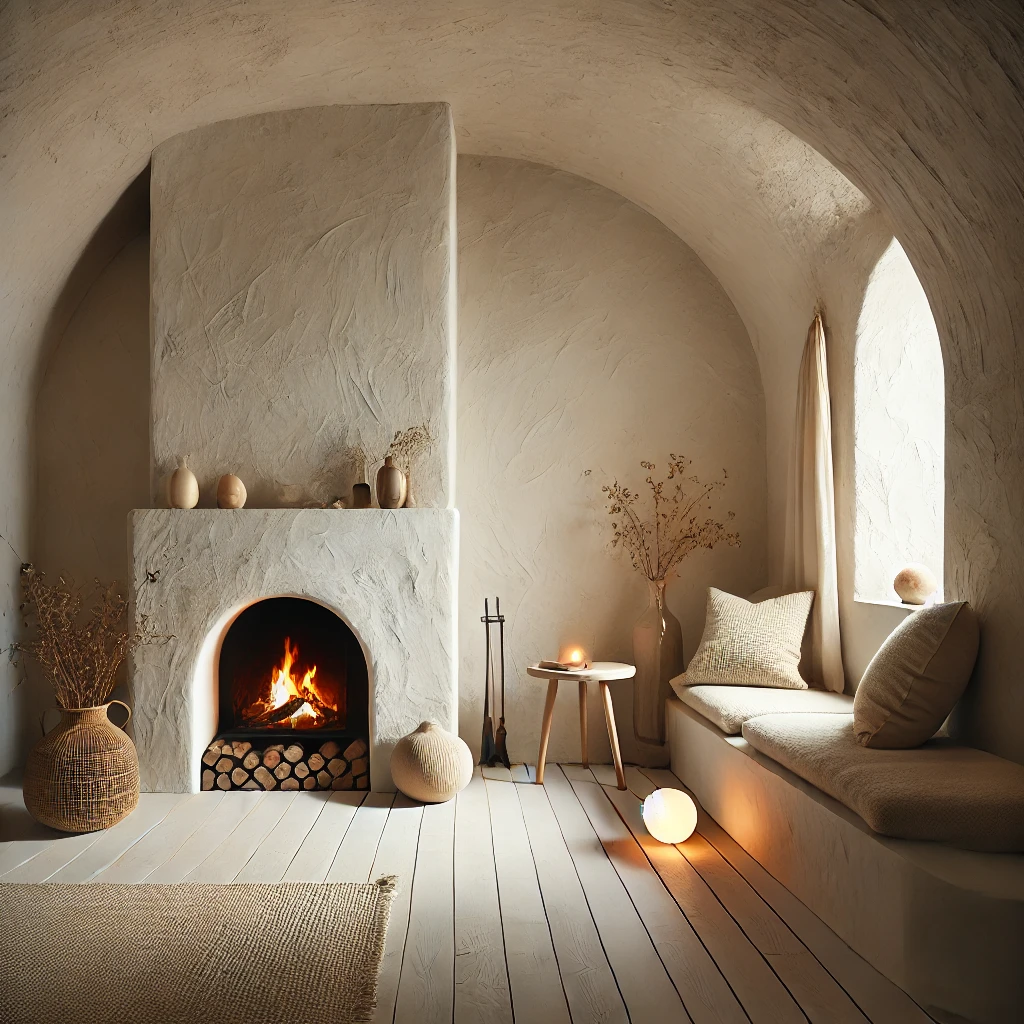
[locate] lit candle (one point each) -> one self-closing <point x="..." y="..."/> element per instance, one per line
<point x="574" y="657"/>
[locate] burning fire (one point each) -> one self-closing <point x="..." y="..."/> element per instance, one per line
<point x="294" y="702"/>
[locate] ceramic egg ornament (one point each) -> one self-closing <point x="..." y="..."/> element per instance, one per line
<point x="230" y="492"/>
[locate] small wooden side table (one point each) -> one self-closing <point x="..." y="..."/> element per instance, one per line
<point x="601" y="672"/>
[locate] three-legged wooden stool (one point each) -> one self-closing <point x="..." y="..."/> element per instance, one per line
<point x="601" y="672"/>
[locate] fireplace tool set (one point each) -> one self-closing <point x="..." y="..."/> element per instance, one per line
<point x="492" y="744"/>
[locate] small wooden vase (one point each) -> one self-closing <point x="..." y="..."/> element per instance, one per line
<point x="361" y="496"/>
<point x="83" y="775"/>
<point x="391" y="485"/>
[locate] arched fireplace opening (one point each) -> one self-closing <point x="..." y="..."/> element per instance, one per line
<point x="293" y="694"/>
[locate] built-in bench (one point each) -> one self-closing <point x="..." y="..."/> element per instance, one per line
<point x="945" y="924"/>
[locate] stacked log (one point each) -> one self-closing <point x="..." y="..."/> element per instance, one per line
<point x="238" y="764"/>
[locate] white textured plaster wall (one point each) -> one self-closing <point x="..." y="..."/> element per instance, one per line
<point x="899" y="427"/>
<point x="391" y="575"/>
<point x="693" y="109"/>
<point x="301" y="264"/>
<point x="590" y="338"/>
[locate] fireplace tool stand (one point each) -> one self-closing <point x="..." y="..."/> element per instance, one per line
<point x="492" y="744"/>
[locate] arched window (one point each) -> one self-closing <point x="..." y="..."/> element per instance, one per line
<point x="899" y="429"/>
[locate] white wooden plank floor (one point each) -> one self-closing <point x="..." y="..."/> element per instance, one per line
<point x="516" y="903"/>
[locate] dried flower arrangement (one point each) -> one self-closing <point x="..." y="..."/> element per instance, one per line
<point x="677" y="527"/>
<point x="81" y="652"/>
<point x="406" y="446"/>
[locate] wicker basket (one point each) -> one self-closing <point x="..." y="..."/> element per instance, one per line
<point x="84" y="774"/>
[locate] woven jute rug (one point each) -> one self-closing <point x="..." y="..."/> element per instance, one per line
<point x="162" y="954"/>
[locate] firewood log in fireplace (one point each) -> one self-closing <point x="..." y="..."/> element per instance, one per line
<point x="297" y="766"/>
<point x="279" y="714"/>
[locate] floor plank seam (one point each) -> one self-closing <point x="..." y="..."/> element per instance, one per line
<point x="376" y="848"/>
<point x="774" y="912"/>
<point x="305" y="836"/>
<point x="723" y="850"/>
<point x="130" y="845"/>
<point x="408" y="920"/>
<point x="547" y="920"/>
<point x="853" y="999"/>
<point x="629" y="896"/>
<point x="682" y="910"/>
<point x="274" y="823"/>
<point x="176" y="849"/>
<point x="501" y="912"/>
<point x="746" y="934"/>
<point x="600" y="938"/>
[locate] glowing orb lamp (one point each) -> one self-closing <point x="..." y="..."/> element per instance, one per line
<point x="670" y="815"/>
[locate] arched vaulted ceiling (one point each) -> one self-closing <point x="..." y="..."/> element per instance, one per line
<point x="740" y="124"/>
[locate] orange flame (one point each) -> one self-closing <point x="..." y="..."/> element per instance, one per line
<point x="285" y="685"/>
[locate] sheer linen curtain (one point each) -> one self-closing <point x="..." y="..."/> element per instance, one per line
<point x="810" y="555"/>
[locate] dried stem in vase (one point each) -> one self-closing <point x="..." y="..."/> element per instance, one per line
<point x="80" y="650"/>
<point x="675" y="523"/>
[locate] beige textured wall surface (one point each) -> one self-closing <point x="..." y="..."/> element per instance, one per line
<point x="92" y="426"/>
<point x="590" y="338"/>
<point x="719" y="118"/>
<point x="300" y="272"/>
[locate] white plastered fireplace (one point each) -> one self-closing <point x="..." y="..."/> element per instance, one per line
<point x="302" y="298"/>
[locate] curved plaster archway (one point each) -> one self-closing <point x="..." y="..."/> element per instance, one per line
<point x="680" y="106"/>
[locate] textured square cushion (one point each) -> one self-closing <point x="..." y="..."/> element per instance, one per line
<point x="730" y="706"/>
<point x="751" y="644"/>
<point x="918" y="674"/>
<point x="938" y="792"/>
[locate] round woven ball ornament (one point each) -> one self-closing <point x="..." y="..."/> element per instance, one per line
<point x="431" y="765"/>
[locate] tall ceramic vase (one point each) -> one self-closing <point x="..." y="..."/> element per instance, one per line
<point x="658" y="655"/>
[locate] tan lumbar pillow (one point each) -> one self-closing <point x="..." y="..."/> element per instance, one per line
<point x="918" y="674"/>
<point x="751" y="644"/>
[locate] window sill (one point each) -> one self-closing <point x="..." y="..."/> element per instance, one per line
<point x="898" y="604"/>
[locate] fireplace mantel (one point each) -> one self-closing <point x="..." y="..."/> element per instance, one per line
<point x="390" y="574"/>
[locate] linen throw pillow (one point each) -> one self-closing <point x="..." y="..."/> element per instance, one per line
<point x="751" y="644"/>
<point x="918" y="674"/>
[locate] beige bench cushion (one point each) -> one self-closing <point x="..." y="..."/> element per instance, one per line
<point x="730" y="706"/>
<point x="939" y="791"/>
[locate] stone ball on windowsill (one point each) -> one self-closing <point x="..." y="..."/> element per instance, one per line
<point x="915" y="583"/>
<point x="431" y="765"/>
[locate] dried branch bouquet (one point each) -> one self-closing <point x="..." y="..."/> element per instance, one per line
<point x="80" y="651"/>
<point x="406" y="446"/>
<point x="677" y="525"/>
